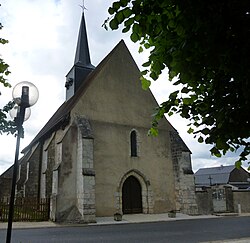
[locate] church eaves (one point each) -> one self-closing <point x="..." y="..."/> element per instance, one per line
<point x="82" y="63"/>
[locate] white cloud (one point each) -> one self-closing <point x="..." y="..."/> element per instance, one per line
<point x="42" y="38"/>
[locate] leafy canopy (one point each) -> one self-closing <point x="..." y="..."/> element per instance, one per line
<point x="6" y="126"/>
<point x="205" y="45"/>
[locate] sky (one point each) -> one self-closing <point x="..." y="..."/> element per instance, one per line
<point x="42" y="38"/>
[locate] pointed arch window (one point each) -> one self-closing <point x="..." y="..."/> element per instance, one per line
<point x="133" y="144"/>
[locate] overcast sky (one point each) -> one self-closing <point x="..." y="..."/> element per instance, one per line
<point x="42" y="38"/>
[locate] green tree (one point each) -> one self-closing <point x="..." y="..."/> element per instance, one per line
<point x="6" y="126"/>
<point x="205" y="46"/>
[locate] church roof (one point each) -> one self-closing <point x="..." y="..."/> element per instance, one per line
<point x="61" y="117"/>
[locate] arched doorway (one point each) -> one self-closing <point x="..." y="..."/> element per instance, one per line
<point x="131" y="196"/>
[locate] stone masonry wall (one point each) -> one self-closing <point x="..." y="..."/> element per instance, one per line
<point x="204" y="201"/>
<point x="50" y="166"/>
<point x="241" y="198"/>
<point x="184" y="178"/>
<point x="21" y="178"/>
<point x="86" y="173"/>
<point x="5" y="183"/>
<point x="32" y="176"/>
<point x="43" y="173"/>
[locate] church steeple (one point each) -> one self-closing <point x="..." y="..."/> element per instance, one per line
<point x="82" y="64"/>
<point x="82" y="57"/>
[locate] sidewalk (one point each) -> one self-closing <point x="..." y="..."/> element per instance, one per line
<point x="143" y="218"/>
<point x="127" y="218"/>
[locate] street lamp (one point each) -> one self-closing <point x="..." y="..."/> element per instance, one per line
<point x="25" y="94"/>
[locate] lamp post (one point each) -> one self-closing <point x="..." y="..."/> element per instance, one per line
<point x="25" y="94"/>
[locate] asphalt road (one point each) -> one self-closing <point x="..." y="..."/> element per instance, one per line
<point x="184" y="231"/>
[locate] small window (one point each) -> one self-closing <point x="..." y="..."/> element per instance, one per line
<point x="133" y="144"/>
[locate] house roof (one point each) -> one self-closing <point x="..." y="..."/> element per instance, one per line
<point x="61" y="117"/>
<point x="213" y="175"/>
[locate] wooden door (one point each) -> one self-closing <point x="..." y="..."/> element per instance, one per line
<point x="131" y="196"/>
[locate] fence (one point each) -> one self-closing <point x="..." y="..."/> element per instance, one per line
<point x="26" y="209"/>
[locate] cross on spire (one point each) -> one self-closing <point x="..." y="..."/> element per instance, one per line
<point x="83" y="6"/>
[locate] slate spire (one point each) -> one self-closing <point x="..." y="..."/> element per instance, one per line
<point x="82" y="57"/>
<point x="82" y="64"/>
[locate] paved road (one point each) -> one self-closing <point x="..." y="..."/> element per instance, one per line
<point x="186" y="231"/>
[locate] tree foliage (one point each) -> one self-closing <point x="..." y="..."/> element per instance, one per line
<point x="6" y="126"/>
<point x="3" y="66"/>
<point x="205" y="46"/>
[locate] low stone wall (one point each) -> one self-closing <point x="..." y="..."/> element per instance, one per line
<point x="204" y="202"/>
<point x="236" y="201"/>
<point x="241" y="198"/>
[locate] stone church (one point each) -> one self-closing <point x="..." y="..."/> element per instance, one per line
<point x="94" y="158"/>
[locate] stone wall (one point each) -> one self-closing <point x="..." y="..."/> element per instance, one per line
<point x="184" y="178"/>
<point x="27" y="181"/>
<point x="5" y="183"/>
<point x="64" y="177"/>
<point x="88" y="174"/>
<point x="235" y="201"/>
<point x="241" y="198"/>
<point x="204" y="202"/>
<point x="113" y="163"/>
<point x="31" y="184"/>
<point x="21" y="178"/>
<point x="50" y="165"/>
<point x="85" y="170"/>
